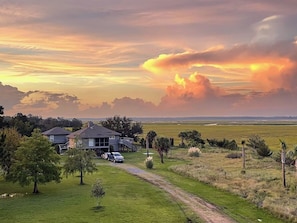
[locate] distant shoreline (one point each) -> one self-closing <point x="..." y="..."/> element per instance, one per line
<point x="230" y="119"/>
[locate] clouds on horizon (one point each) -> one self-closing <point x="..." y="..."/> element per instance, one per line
<point x="198" y="97"/>
<point x="210" y="58"/>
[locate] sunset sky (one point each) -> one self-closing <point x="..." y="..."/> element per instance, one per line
<point x="94" y="59"/>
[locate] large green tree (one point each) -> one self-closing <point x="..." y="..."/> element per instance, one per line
<point x="35" y="161"/>
<point x="126" y="126"/>
<point x="162" y="145"/>
<point x="9" y="142"/>
<point x="79" y="160"/>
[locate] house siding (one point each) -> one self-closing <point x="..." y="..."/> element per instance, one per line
<point x="84" y="143"/>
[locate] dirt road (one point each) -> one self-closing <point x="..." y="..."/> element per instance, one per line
<point x="206" y="211"/>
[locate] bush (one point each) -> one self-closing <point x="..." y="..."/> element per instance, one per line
<point x="233" y="155"/>
<point x="97" y="191"/>
<point x="149" y="162"/>
<point x="225" y="143"/>
<point x="264" y="151"/>
<point x="194" y="151"/>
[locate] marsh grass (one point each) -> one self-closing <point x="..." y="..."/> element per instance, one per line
<point x="261" y="184"/>
<point x="271" y="133"/>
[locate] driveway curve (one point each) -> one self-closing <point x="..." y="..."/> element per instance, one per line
<point x="206" y="211"/>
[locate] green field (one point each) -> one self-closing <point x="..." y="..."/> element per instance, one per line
<point x="271" y="133"/>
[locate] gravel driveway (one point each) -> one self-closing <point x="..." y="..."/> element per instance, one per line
<point x="206" y="211"/>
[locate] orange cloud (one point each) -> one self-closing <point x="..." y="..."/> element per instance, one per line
<point x="196" y="87"/>
<point x="266" y="66"/>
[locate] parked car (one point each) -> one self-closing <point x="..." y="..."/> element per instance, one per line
<point x="105" y="155"/>
<point x="116" y="157"/>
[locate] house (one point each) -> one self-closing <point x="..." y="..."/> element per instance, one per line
<point x="57" y="135"/>
<point x="95" y="137"/>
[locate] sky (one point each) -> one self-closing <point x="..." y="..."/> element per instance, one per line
<point x="100" y="58"/>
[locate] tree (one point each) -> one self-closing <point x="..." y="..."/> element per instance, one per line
<point x="22" y="124"/>
<point x="292" y="156"/>
<point x="194" y="138"/>
<point x="9" y="142"/>
<point x="162" y="145"/>
<point x="35" y="161"/>
<point x="79" y="160"/>
<point x="259" y="145"/>
<point x="150" y="136"/>
<point x="124" y="125"/>
<point x="1" y="115"/>
<point x="97" y="191"/>
<point x="283" y="160"/>
<point x="183" y="136"/>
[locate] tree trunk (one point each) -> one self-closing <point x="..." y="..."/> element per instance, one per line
<point x="81" y="177"/>
<point x="147" y="147"/>
<point x="243" y="157"/>
<point x="35" y="189"/>
<point x="162" y="157"/>
<point x="296" y="167"/>
<point x="283" y="158"/>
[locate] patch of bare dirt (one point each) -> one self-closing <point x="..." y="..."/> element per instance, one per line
<point x="206" y="211"/>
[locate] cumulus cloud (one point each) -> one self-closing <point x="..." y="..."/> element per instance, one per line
<point x="39" y="103"/>
<point x="125" y="106"/>
<point x="273" y="29"/>
<point x="9" y="96"/>
<point x="269" y="66"/>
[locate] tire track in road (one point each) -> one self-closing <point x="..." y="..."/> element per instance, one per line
<point x="205" y="210"/>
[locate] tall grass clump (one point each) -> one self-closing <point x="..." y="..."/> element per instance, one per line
<point x="194" y="152"/>
<point x="149" y="162"/>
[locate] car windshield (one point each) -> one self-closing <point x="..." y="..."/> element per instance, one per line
<point x="116" y="154"/>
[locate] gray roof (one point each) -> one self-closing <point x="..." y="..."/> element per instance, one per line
<point x="56" y="131"/>
<point x="94" y="131"/>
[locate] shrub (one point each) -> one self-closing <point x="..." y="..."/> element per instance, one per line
<point x="149" y="162"/>
<point x="225" y="143"/>
<point x="264" y="151"/>
<point x="194" y="151"/>
<point x="233" y="155"/>
<point x="97" y="191"/>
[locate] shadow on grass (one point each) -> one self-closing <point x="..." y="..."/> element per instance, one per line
<point x="98" y="208"/>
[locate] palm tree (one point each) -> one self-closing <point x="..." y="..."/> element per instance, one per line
<point x="293" y="155"/>
<point x="182" y="135"/>
<point x="283" y="160"/>
<point x="150" y="136"/>
<point x="162" y="145"/>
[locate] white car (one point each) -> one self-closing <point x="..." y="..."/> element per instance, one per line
<point x="116" y="157"/>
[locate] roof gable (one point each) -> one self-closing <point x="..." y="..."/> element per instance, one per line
<point x="94" y="131"/>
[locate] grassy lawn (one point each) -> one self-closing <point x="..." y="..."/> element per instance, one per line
<point x="127" y="199"/>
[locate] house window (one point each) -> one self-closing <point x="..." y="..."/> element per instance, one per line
<point x="91" y="142"/>
<point x="101" y="142"/>
<point x="52" y="138"/>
